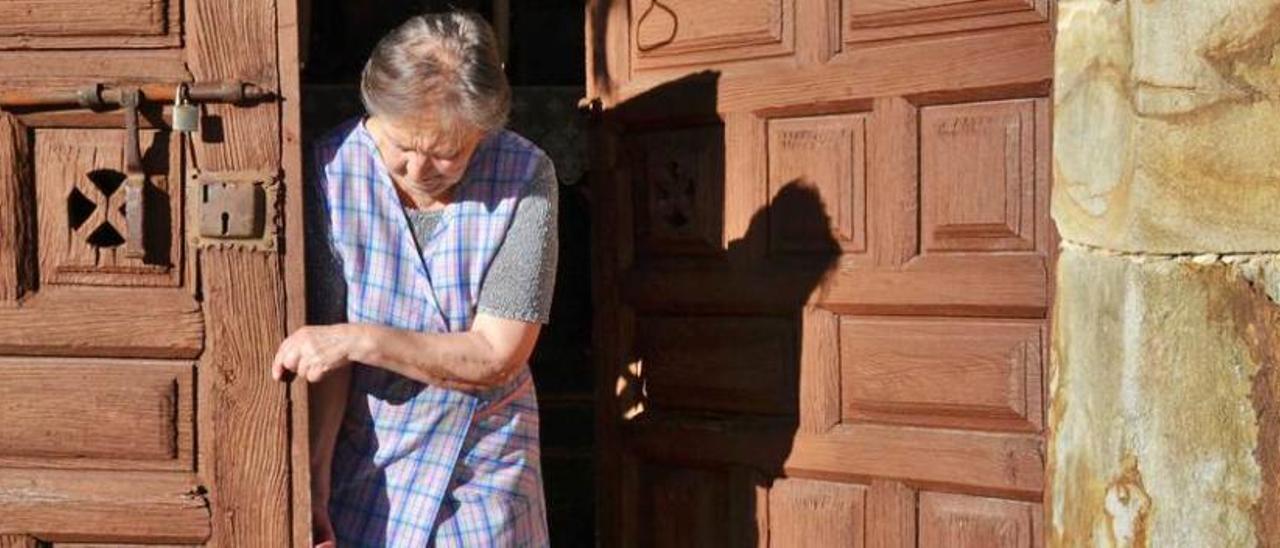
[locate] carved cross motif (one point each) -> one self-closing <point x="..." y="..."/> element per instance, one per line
<point x="95" y="208"/>
<point x="675" y="189"/>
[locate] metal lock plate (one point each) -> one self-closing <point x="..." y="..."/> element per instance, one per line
<point x="234" y="209"/>
<point x="231" y="209"/>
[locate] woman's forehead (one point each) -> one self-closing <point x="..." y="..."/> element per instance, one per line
<point x="430" y="129"/>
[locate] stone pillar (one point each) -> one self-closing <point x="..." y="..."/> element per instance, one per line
<point x="1165" y="392"/>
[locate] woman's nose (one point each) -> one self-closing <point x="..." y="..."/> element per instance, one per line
<point x="443" y="165"/>
<point x="417" y="167"/>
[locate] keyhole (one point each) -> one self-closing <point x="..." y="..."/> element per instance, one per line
<point x="226" y="223"/>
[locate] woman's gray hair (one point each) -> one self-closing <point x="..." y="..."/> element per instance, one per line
<point x="438" y="61"/>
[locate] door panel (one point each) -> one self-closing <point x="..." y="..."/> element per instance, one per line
<point x="823" y="270"/>
<point x="689" y="32"/>
<point x="63" y="24"/>
<point x="806" y="512"/>
<point x="78" y="180"/>
<point x="135" y="402"/>
<point x="138" y="415"/>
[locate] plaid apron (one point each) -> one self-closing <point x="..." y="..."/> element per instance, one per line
<point x="415" y="464"/>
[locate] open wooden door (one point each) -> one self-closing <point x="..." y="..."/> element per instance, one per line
<point x="823" y="259"/>
<point x="141" y="299"/>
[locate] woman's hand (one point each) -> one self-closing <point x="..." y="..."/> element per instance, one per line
<point x="316" y="351"/>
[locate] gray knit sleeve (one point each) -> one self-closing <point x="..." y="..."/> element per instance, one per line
<point x="522" y="276"/>
<point x="326" y="287"/>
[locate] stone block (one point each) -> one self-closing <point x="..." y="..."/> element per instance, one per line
<point x="1165" y="117"/>
<point x="1164" y="421"/>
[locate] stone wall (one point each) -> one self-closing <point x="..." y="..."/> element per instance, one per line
<point x="1165" y="397"/>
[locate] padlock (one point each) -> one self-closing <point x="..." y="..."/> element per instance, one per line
<point x="186" y="116"/>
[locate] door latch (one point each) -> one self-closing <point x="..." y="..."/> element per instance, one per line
<point x="136" y="177"/>
<point x="235" y="209"/>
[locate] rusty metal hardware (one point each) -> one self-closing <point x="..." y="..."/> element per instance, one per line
<point x="135" y="177"/>
<point x="234" y="209"/>
<point x="99" y="96"/>
<point x="231" y="209"/>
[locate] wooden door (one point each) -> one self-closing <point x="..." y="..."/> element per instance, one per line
<point x="823" y="260"/>
<point x="136" y="405"/>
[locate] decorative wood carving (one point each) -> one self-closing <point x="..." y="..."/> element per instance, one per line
<point x="678" y="183"/>
<point x="79" y="179"/>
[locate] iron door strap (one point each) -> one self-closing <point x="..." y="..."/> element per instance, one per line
<point x="135" y="177"/>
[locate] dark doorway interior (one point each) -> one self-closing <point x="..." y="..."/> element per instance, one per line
<point x="545" y="64"/>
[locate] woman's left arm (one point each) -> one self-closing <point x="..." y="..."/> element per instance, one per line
<point x="484" y="356"/>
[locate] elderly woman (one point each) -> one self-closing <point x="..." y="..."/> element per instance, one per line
<point x="434" y="244"/>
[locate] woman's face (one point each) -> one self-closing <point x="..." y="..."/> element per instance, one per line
<point x="424" y="156"/>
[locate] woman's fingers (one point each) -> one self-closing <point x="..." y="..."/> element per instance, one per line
<point x="286" y="360"/>
<point x="315" y="373"/>
<point x="277" y="363"/>
<point x="309" y="354"/>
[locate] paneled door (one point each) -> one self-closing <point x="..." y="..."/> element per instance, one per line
<point x="144" y="274"/>
<point x="823" y="270"/>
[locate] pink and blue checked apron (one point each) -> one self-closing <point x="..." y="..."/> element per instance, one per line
<point x="416" y="464"/>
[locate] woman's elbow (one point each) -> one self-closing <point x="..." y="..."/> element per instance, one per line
<point x="505" y="347"/>
<point x="499" y="369"/>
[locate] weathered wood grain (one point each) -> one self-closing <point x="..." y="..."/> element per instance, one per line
<point x="891" y="515"/>
<point x="94" y="412"/>
<point x="17" y="207"/>
<point x="67" y="159"/>
<point x="245" y="413"/>
<point x="805" y="512"/>
<point x="17" y="541"/>
<point x="33" y="71"/>
<point x="963" y="521"/>
<point x="81" y="17"/>
<point x="85" y="24"/>
<point x="104" y="322"/>
<point x="1010" y="465"/>
<point x="886" y="160"/>
<point x="290" y="53"/>
<point x="250" y="137"/>
<point x="61" y="505"/>
<point x="982" y="374"/>
<point x="246" y="417"/>
<point x="819" y="382"/>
